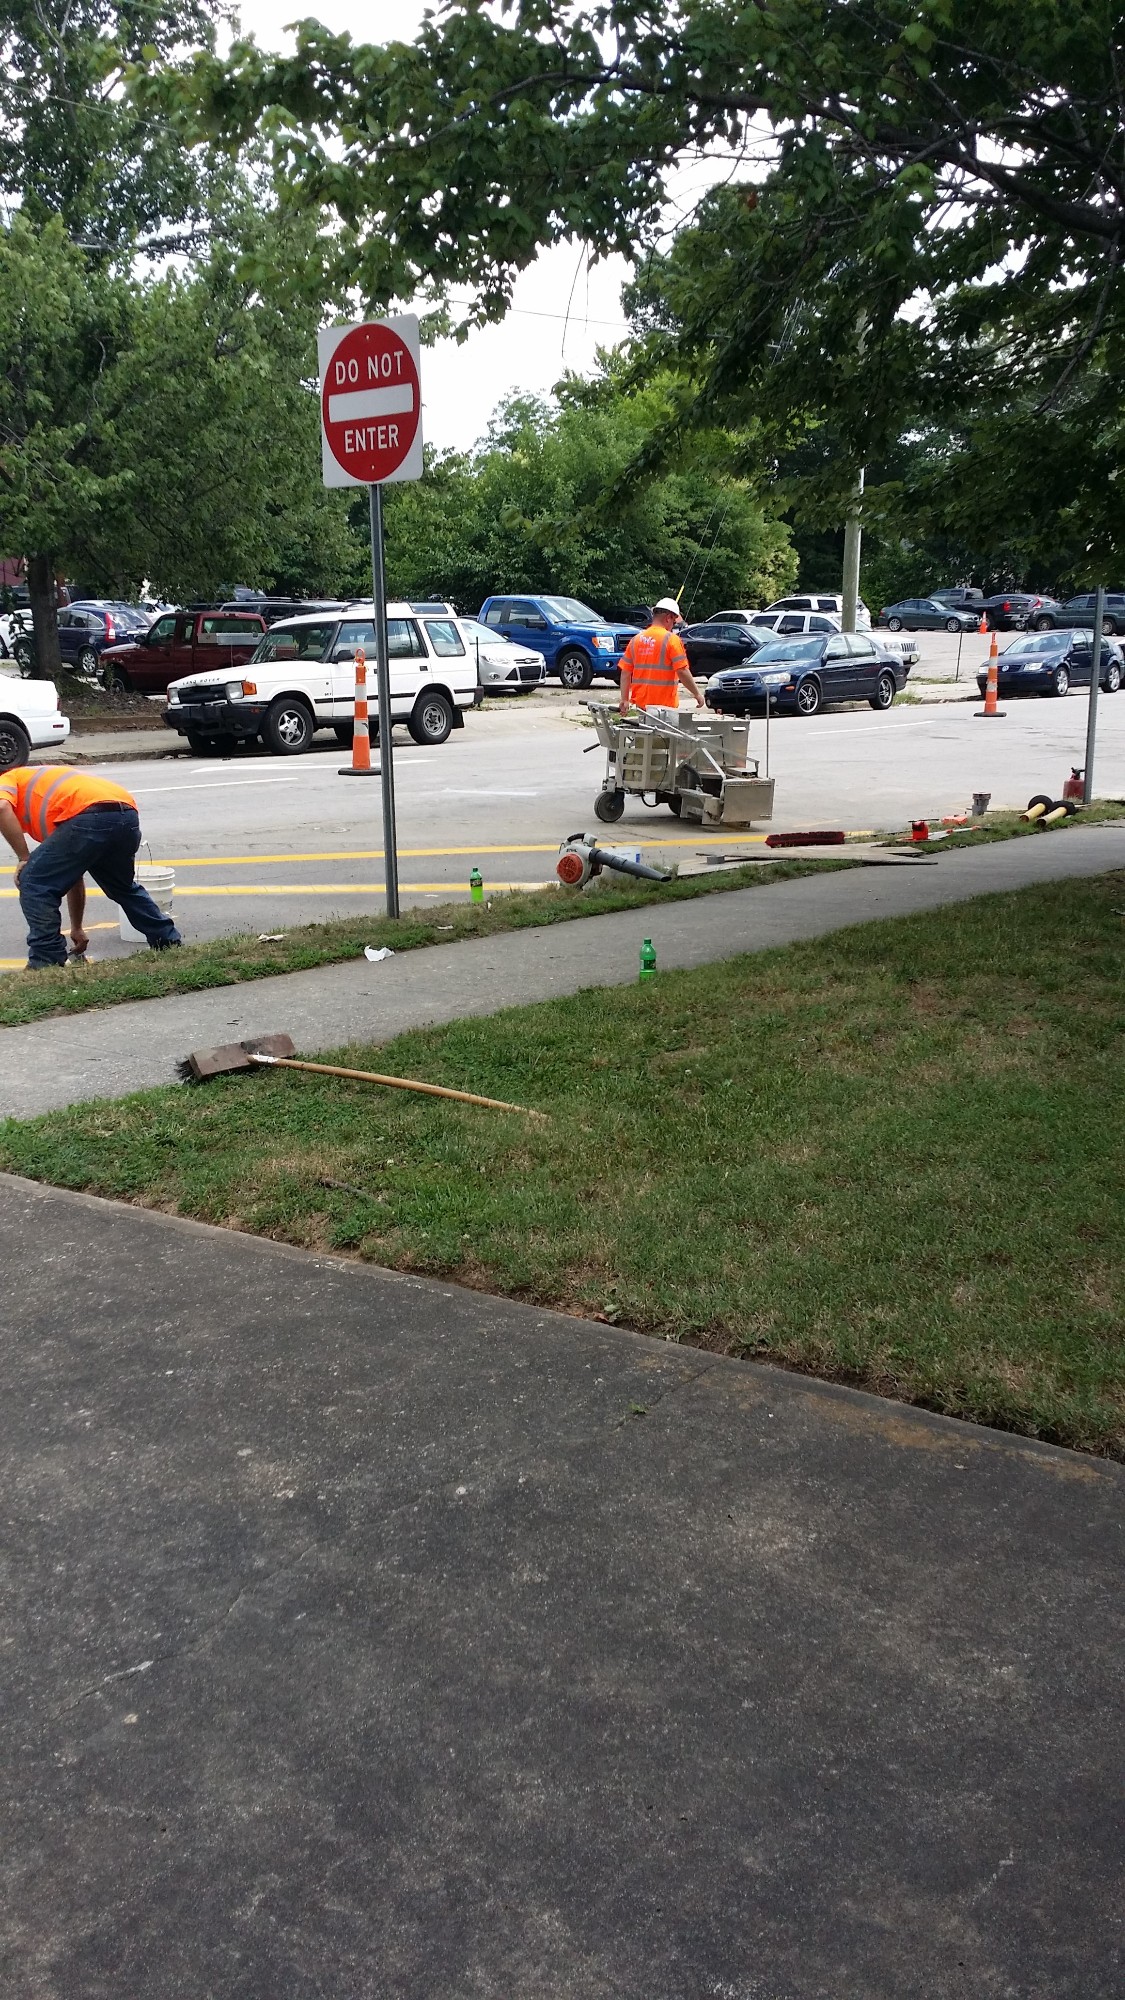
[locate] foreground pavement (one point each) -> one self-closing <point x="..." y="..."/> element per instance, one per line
<point x="121" y="1049"/>
<point x="369" y="1637"/>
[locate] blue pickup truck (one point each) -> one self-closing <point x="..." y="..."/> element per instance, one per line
<point x="575" y="642"/>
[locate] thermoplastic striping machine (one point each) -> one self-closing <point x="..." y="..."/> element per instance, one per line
<point x="697" y="765"/>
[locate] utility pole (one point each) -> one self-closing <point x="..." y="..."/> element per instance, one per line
<point x="853" y="536"/>
<point x="1092" y="711"/>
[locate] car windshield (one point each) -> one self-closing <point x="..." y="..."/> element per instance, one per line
<point x="571" y="611"/>
<point x="482" y="635"/>
<point x="299" y="642"/>
<point x="787" y="649"/>
<point x="1043" y="642"/>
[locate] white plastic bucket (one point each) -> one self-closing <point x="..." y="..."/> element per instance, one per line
<point x="160" y="883"/>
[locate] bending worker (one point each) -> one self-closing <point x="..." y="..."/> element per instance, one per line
<point x="83" y="826"/>
<point x="655" y="662"/>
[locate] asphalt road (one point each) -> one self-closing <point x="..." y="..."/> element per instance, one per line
<point x="287" y="841"/>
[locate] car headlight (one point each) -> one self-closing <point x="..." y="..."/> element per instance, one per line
<point x="233" y="690"/>
<point x="1027" y="667"/>
<point x="173" y="697"/>
<point x="603" y="641"/>
<point x="774" y="680"/>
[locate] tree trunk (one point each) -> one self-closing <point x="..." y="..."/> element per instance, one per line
<point x="43" y="592"/>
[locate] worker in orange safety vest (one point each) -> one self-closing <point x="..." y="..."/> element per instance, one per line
<point x="83" y="825"/>
<point x="655" y="662"/>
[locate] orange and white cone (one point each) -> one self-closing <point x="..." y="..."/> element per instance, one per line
<point x="360" y="766"/>
<point x="993" y="684"/>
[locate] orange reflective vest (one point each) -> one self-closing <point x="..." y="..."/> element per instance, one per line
<point x="43" y="796"/>
<point x="652" y="661"/>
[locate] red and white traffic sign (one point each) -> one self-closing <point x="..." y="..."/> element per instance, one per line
<point x="370" y="402"/>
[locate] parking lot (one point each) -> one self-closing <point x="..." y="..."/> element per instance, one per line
<point x="263" y="843"/>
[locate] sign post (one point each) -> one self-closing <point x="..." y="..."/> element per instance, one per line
<point x="1092" y="709"/>
<point x="371" y="435"/>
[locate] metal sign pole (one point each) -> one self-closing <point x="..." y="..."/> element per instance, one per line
<point x="1092" y="711"/>
<point x="383" y="685"/>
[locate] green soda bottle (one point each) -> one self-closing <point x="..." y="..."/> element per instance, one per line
<point x="476" y="886"/>
<point x="648" y="959"/>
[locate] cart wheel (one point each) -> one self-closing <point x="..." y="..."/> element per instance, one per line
<point x="609" y="805"/>
<point x="674" y="803"/>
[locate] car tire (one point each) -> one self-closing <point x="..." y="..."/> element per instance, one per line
<point x="343" y="731"/>
<point x="23" y="653"/>
<point x="288" y="727"/>
<point x="1060" y="681"/>
<point x="15" y="744"/>
<point x="1042" y="624"/>
<point x="87" y="662"/>
<point x="674" y="803"/>
<point x="117" y="681"/>
<point x="574" y="669"/>
<point x="1110" y="627"/>
<point x="1112" y="681"/>
<point x="954" y="625"/>
<point x="894" y="624"/>
<point x="808" y="696"/>
<point x="885" y="691"/>
<point x="431" y="718"/>
<point x="609" y="806"/>
<point x="201" y="746"/>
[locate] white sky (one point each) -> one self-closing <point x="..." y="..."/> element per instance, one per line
<point x="564" y="307"/>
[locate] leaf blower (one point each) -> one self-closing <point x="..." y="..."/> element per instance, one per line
<point x="580" y="859"/>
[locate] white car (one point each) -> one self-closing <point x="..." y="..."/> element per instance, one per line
<point x="29" y="719"/>
<point x="301" y="678"/>
<point x="502" y="666"/>
<point x="13" y="625"/>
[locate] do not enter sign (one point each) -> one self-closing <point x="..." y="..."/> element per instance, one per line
<point x="370" y="403"/>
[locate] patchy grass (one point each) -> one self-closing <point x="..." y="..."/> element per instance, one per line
<point x="1012" y="826"/>
<point x="227" y="961"/>
<point x="889" y="1157"/>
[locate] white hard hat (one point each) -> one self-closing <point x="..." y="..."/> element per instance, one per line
<point x="668" y="604"/>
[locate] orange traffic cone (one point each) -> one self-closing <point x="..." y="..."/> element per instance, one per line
<point x="983" y="626"/>
<point x="360" y="766"/>
<point x="990" y="692"/>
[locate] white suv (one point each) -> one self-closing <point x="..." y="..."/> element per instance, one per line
<point x="29" y="719"/>
<point x="301" y="678"/>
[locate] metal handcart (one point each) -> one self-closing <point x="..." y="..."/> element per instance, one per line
<point x="696" y="765"/>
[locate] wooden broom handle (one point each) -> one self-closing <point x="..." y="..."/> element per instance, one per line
<point x="397" y="1083"/>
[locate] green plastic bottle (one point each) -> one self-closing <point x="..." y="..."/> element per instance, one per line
<point x="648" y="959"/>
<point x="476" y="886"/>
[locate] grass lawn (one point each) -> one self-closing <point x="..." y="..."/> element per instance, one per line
<point x="226" y="961"/>
<point x="892" y="1157"/>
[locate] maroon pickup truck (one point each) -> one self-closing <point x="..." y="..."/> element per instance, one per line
<point x="182" y="642"/>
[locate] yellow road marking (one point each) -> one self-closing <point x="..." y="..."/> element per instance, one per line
<point x="322" y="889"/>
<point x="432" y="853"/>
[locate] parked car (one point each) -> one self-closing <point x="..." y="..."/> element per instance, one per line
<point x="801" y="675"/>
<point x="960" y="597"/>
<point x="30" y="719"/>
<point x="713" y="645"/>
<point x="927" y="614"/>
<point x="14" y="625"/>
<point x="502" y="666"/>
<point x="794" y="623"/>
<point x="1015" y="610"/>
<point x="179" y="642"/>
<point x="273" y="608"/>
<point x="1053" y="663"/>
<point x="91" y="624"/>
<point x="1077" y="613"/>
<point x="575" y="642"/>
<point x="302" y="678"/>
<point x="823" y="600"/>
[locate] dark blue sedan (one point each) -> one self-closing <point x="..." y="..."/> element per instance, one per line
<point x="798" y="676"/>
<point x="1053" y="663"/>
<point x="93" y="623"/>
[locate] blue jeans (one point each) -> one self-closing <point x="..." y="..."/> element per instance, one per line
<point x="101" y="842"/>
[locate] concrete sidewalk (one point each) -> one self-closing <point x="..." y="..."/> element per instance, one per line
<point x="368" y="1637"/>
<point x="126" y="1048"/>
